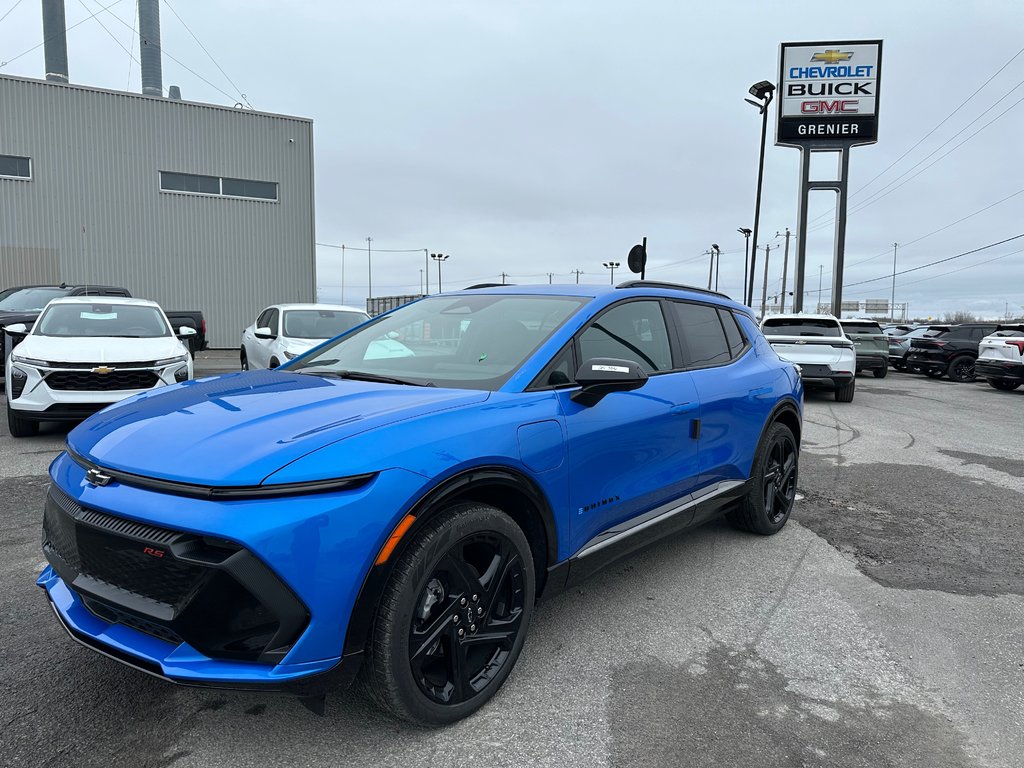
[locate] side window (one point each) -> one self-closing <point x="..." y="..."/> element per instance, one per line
<point x="632" y="331"/>
<point x="561" y="371"/>
<point x="264" y="319"/>
<point x="980" y="333"/>
<point x="733" y="334"/>
<point x="272" y="321"/>
<point x="702" y="333"/>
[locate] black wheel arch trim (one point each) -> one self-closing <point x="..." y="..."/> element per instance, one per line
<point x="785" y="404"/>
<point x="424" y="509"/>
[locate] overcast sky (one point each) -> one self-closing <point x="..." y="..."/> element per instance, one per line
<point x="536" y="137"/>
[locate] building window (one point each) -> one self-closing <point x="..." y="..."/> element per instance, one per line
<point x="215" y="185"/>
<point x="15" y="167"/>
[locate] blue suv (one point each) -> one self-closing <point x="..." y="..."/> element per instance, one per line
<point x="394" y="502"/>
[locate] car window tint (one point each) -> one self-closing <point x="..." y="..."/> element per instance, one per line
<point x="632" y="331"/>
<point x="272" y="321"/>
<point x="733" y="334"/>
<point x="562" y="370"/>
<point x="703" y="336"/>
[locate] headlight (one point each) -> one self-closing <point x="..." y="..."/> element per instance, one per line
<point x="181" y="374"/>
<point x="170" y="361"/>
<point x="29" y="361"/>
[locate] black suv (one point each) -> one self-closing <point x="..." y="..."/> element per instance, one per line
<point x="23" y="305"/>
<point x="951" y="353"/>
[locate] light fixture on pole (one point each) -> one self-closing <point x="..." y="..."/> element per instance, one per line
<point x="764" y="92"/>
<point x="612" y="265"/>
<point x="439" y="257"/>
<point x="746" y="256"/>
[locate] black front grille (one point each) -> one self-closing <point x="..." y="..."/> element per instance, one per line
<point x="87" y="381"/>
<point x="174" y="585"/>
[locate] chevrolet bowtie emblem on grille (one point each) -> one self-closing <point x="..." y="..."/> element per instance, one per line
<point x="832" y="56"/>
<point x="102" y="369"/>
<point x="95" y="477"/>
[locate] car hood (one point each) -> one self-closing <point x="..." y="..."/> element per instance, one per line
<point x="240" y="428"/>
<point x="100" y="349"/>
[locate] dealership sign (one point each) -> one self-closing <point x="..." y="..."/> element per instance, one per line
<point x="828" y="93"/>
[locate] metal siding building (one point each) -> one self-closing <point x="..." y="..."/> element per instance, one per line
<point x="93" y="210"/>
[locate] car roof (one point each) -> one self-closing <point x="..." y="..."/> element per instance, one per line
<point x="631" y="288"/>
<point x="336" y="307"/>
<point x="105" y="300"/>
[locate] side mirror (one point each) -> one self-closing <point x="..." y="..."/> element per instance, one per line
<point x="186" y="331"/>
<point x="265" y="333"/>
<point x="601" y="376"/>
<point x="17" y="329"/>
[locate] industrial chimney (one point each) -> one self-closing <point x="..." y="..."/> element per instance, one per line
<point x="149" y="47"/>
<point x="55" y="42"/>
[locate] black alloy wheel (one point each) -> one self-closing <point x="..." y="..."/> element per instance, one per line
<point x="468" y="618"/>
<point x="1003" y="384"/>
<point x="453" y="617"/>
<point x="769" y="501"/>
<point x="962" y="369"/>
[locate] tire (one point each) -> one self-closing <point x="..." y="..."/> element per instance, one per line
<point x="767" y="505"/>
<point x="881" y="373"/>
<point x="899" y="367"/>
<point x="934" y="373"/>
<point x="243" y="360"/>
<point x="274" y="362"/>
<point x="21" y="427"/>
<point x="961" y="369"/>
<point x="429" y="599"/>
<point x="844" y="393"/>
<point x="1003" y="385"/>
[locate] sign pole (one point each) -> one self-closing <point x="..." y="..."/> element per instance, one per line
<point x="839" y="249"/>
<point x="801" y="229"/>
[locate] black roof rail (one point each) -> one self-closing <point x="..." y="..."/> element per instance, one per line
<point x="670" y="286"/>
<point x="487" y="285"/>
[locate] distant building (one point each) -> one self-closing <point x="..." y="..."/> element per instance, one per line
<point x="194" y="205"/>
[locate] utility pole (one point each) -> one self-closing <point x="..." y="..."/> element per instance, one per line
<point x="342" y="274"/>
<point x="503" y="276"/>
<point x="764" y="289"/>
<point x="718" y="261"/>
<point x="820" y="267"/>
<point x="711" y="267"/>
<point x="892" y="301"/>
<point x="551" y="276"/>
<point x="426" y="271"/>
<point x="785" y="268"/>
<point x="422" y="293"/>
<point x="577" y="272"/>
<point x="369" y="269"/>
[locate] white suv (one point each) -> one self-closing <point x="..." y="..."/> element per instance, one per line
<point x="85" y="353"/>
<point x="1001" y="358"/>
<point x="818" y="345"/>
<point x="284" y="331"/>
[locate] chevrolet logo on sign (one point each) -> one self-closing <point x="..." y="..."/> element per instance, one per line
<point x="832" y="56"/>
<point x="102" y="369"/>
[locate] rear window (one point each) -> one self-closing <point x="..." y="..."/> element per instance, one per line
<point x="789" y="326"/>
<point x="861" y="327"/>
<point x="1008" y="333"/>
<point x="932" y="332"/>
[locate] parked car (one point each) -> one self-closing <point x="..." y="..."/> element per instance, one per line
<point x="950" y="353"/>
<point x="899" y="346"/>
<point x="403" y="513"/>
<point x="897" y="329"/>
<point x="196" y="342"/>
<point x="21" y="306"/>
<point x="819" y="346"/>
<point x="871" y="346"/>
<point x="85" y="353"/>
<point x="284" y="331"/>
<point x="1001" y="358"/>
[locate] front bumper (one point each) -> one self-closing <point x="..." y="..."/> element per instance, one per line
<point x="276" y="619"/>
<point x="1004" y="370"/>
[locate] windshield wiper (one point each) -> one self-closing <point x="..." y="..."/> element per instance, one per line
<point x="361" y="376"/>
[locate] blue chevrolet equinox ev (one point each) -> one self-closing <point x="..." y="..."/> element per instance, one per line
<point x="395" y="501"/>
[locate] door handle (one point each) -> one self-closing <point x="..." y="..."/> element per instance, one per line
<point x="682" y="408"/>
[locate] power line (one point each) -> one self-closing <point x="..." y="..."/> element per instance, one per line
<point x="16" y="4"/>
<point x="218" y="66"/>
<point x="51" y="37"/>
<point x="111" y="34"/>
<point x="939" y="125"/>
<point x="933" y="263"/>
<point x="375" y="250"/>
<point x="131" y="58"/>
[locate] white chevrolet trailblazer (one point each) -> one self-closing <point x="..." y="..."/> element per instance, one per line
<point x="818" y="345"/>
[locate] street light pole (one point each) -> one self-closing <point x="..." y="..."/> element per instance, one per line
<point x="820" y="267"/>
<point x="426" y="271"/>
<point x="612" y="265"/>
<point x="892" y="301"/>
<point x="369" y="269"/>
<point x="746" y="257"/>
<point x="439" y="257"/>
<point x="765" y="91"/>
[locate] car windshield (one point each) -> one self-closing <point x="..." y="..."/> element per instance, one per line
<point x="108" y="320"/>
<point x="29" y="299"/>
<point x="788" y="326"/>
<point x="468" y="342"/>
<point x="320" y="323"/>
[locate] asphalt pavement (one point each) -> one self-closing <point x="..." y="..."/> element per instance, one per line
<point x="884" y="626"/>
